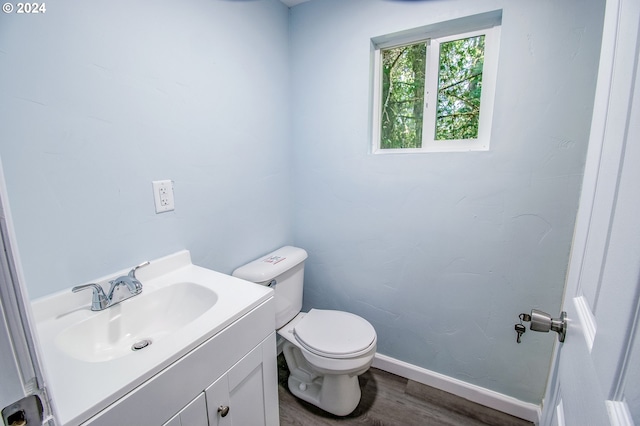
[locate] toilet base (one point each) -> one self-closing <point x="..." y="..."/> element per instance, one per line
<point x="337" y="394"/>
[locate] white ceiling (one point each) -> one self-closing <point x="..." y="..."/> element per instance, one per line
<point x="292" y="3"/>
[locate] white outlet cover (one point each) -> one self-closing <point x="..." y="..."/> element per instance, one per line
<point x="163" y="195"/>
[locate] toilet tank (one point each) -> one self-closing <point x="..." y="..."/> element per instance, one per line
<point x="282" y="270"/>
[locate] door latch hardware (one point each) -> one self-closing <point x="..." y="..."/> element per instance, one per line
<point x="542" y="321"/>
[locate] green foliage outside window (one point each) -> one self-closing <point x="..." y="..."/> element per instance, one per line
<point x="459" y="88"/>
<point x="404" y="77"/>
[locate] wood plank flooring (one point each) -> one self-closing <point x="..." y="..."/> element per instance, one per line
<point x="390" y="400"/>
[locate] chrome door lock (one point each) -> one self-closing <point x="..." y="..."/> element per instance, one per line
<point x="542" y="321"/>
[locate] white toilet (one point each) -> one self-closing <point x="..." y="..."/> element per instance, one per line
<point x="325" y="350"/>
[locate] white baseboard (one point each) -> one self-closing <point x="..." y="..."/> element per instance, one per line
<point x="477" y="394"/>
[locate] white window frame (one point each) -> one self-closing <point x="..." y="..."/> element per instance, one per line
<point x="489" y="73"/>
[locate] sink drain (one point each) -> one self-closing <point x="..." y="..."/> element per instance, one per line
<point x="140" y="345"/>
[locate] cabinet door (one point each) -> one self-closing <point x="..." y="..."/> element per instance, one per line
<point x="249" y="390"/>
<point x="246" y="390"/>
<point x="194" y="414"/>
<point x="220" y="412"/>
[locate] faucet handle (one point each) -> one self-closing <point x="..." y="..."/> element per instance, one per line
<point x="132" y="273"/>
<point x="134" y="280"/>
<point x="99" y="300"/>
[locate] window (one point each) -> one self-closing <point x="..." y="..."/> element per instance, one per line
<point x="434" y="92"/>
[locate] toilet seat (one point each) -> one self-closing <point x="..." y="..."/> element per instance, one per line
<point x="334" y="334"/>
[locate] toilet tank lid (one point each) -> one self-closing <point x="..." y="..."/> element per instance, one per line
<point x="271" y="265"/>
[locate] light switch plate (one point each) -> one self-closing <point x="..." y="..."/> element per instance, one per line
<point x="163" y="195"/>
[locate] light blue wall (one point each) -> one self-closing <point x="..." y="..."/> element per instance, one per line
<point x="441" y="252"/>
<point x="101" y="97"/>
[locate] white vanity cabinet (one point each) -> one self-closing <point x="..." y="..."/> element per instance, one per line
<point x="194" y="414"/>
<point x="238" y="398"/>
<point x="233" y="372"/>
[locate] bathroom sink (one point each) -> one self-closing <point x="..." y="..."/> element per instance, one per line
<point x="142" y="320"/>
<point x="88" y="354"/>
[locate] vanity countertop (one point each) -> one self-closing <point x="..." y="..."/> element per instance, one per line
<point x="82" y="387"/>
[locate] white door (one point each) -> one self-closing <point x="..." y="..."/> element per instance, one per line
<point x="587" y="380"/>
<point x="23" y="395"/>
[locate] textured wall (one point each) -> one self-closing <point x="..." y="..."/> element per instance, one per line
<point x="99" y="98"/>
<point x="442" y="251"/>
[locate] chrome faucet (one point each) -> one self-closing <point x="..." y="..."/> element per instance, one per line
<point x="99" y="301"/>
<point x="121" y="289"/>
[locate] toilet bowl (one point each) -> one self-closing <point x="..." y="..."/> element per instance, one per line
<point x="325" y="350"/>
<point x="325" y="374"/>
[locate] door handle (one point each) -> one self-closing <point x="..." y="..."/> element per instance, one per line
<point x="223" y="410"/>
<point x="542" y="321"/>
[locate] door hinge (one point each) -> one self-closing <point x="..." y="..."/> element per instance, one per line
<point x="32" y="410"/>
<point x="27" y="411"/>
